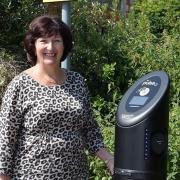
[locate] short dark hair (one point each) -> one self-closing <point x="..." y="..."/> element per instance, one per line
<point x="46" y="26"/>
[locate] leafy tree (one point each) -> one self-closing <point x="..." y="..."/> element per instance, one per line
<point x="15" y="15"/>
<point x="112" y="52"/>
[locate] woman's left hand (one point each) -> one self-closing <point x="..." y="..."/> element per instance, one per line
<point x="110" y="165"/>
<point x="107" y="157"/>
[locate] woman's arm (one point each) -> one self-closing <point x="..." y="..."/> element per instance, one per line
<point x="107" y="157"/>
<point x="10" y="122"/>
<point x="4" y="177"/>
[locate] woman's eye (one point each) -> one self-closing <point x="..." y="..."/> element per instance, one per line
<point x="43" y="41"/>
<point x="58" y="41"/>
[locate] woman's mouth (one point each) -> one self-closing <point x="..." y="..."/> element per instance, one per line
<point x="50" y="54"/>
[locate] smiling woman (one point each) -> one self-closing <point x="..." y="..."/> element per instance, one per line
<point x="46" y="121"/>
<point x="45" y="27"/>
<point x="49" y="50"/>
<point x="47" y="43"/>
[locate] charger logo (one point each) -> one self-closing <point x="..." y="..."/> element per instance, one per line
<point x="127" y="116"/>
<point x="150" y="83"/>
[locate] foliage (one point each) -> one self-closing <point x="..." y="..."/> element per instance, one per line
<point x="14" y="17"/>
<point x="174" y="143"/>
<point x="162" y="15"/>
<point x="114" y="52"/>
<point x="10" y="65"/>
<point x="97" y="49"/>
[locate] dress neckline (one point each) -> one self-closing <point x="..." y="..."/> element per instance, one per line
<point x="47" y="86"/>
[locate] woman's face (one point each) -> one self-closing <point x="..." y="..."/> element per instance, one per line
<point x="49" y="50"/>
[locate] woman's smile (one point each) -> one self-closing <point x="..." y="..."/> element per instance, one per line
<point x="49" y="54"/>
<point x="49" y="50"/>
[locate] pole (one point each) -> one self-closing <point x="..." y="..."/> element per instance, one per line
<point x="66" y="19"/>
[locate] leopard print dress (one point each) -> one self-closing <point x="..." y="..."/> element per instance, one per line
<point x="44" y="130"/>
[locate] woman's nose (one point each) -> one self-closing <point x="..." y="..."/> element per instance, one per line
<point x="49" y="45"/>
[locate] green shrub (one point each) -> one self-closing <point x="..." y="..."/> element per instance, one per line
<point x="11" y="64"/>
<point x="97" y="50"/>
<point x="174" y="143"/>
<point x="15" y="15"/>
<point x="113" y="52"/>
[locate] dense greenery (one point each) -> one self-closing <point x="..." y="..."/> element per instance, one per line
<point x="15" y="15"/>
<point x="111" y="52"/>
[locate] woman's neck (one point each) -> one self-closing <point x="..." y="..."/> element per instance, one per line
<point x="47" y="71"/>
<point x="47" y="76"/>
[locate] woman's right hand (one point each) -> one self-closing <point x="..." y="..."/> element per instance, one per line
<point x="4" y="177"/>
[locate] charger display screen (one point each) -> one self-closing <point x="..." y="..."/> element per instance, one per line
<point x="138" y="100"/>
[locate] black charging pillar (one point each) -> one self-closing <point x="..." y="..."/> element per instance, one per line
<point x="141" y="132"/>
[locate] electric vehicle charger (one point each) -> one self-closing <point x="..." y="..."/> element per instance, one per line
<point x="141" y="131"/>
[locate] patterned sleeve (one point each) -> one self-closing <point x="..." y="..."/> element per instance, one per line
<point x="10" y="120"/>
<point x="92" y="133"/>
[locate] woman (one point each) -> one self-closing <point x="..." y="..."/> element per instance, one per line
<point x="46" y="121"/>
